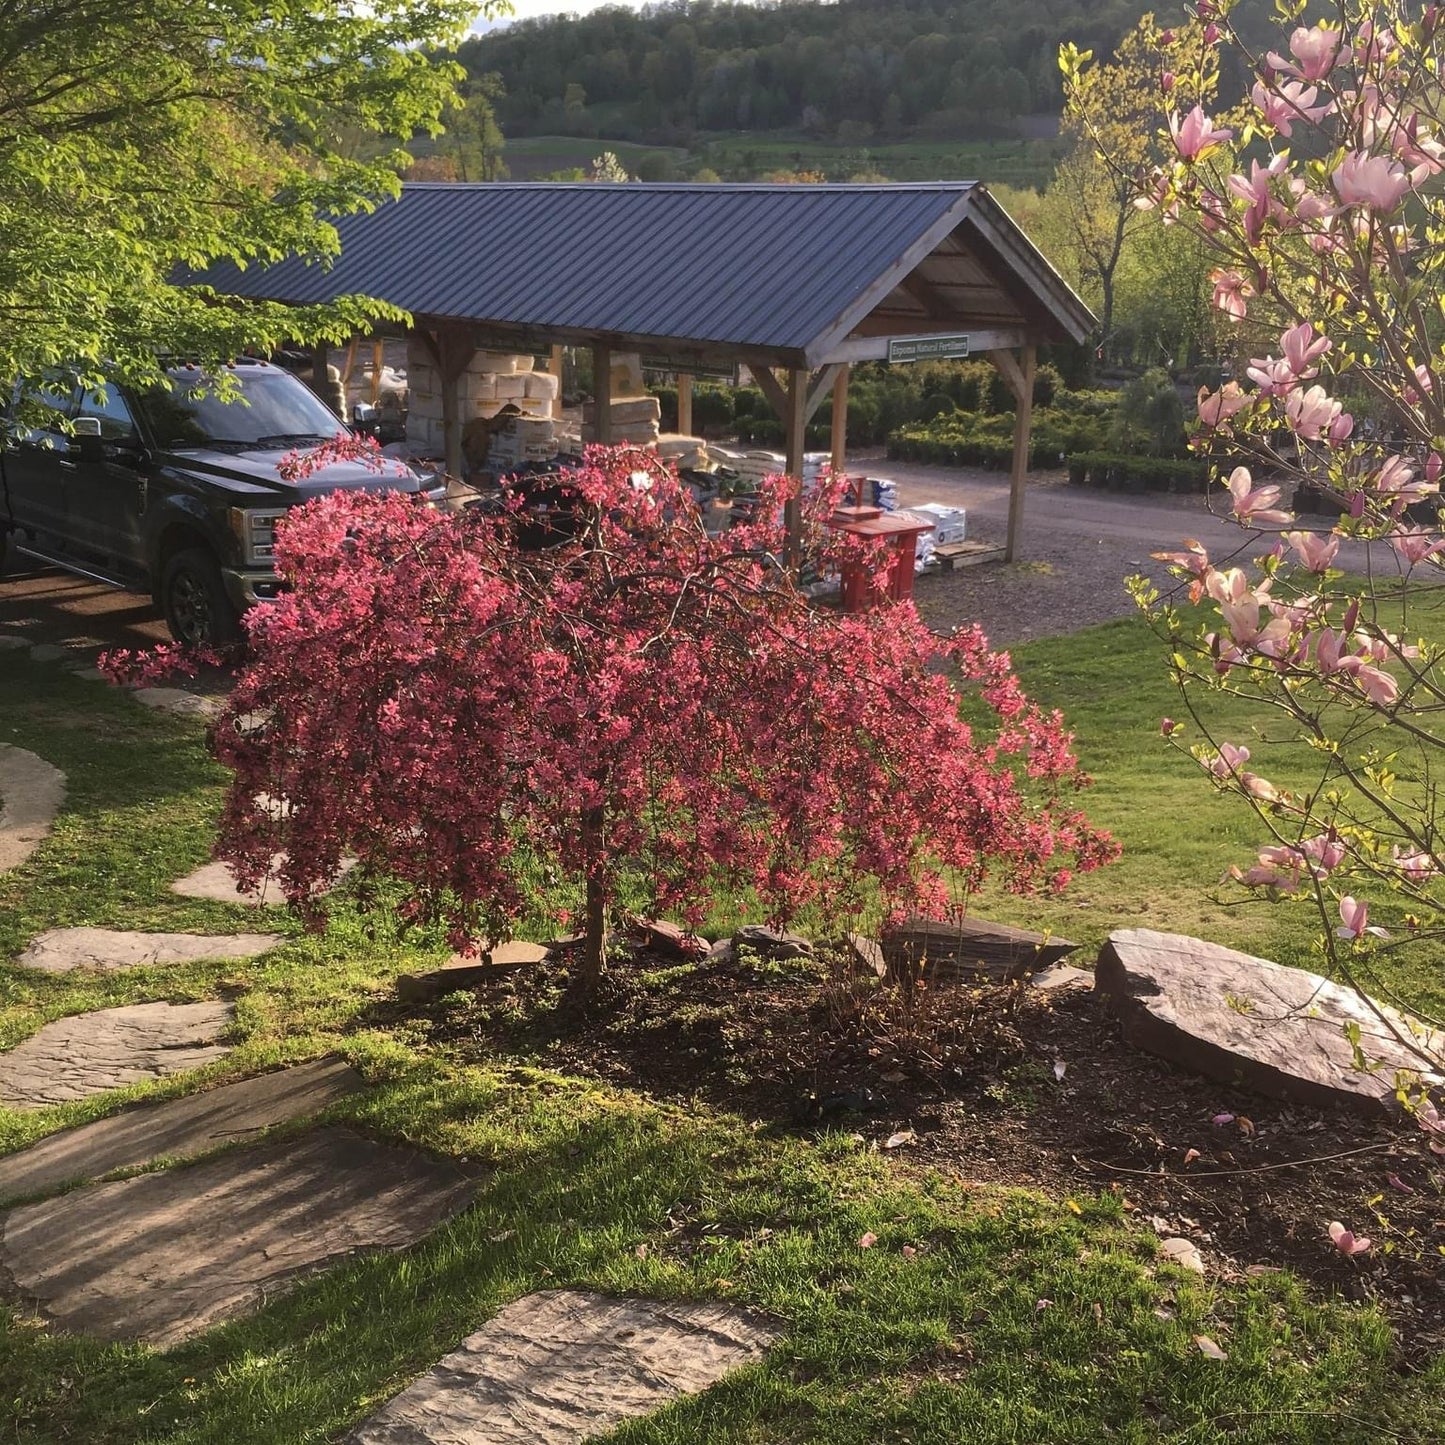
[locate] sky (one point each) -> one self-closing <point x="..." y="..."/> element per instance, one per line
<point x="526" y="9"/>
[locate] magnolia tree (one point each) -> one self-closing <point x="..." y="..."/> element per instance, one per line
<point x="1316" y="195"/>
<point x="644" y="710"/>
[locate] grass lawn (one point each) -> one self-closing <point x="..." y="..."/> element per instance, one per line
<point x="1019" y="1318"/>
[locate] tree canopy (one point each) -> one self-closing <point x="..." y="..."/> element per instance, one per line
<point x="141" y="137"/>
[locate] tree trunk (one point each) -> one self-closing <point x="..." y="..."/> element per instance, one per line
<point x="594" y="948"/>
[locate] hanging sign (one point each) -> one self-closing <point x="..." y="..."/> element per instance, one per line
<point x="927" y="348"/>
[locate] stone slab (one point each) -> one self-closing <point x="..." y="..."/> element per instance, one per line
<point x="31" y="792"/>
<point x="175" y="1128"/>
<point x="177" y="700"/>
<point x="164" y="1256"/>
<point x="562" y="1366"/>
<point x="216" y="883"/>
<point x="968" y="950"/>
<point x="110" y="1048"/>
<point x="9" y="642"/>
<point x="48" y="652"/>
<point x="1060" y="978"/>
<point x="58" y="950"/>
<point x="1244" y="1020"/>
<point x="461" y="972"/>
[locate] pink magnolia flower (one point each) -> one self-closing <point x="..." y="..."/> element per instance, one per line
<point x="1194" y="136"/>
<point x="1346" y="1242"/>
<point x="1416" y="545"/>
<point x="1216" y="408"/>
<point x="1302" y="348"/>
<point x="1271" y="374"/>
<point x="1314" y="51"/>
<point x="1340" y="429"/>
<point x="1397" y="478"/>
<point x="1416" y="866"/>
<point x="1324" y="852"/>
<point x="1375" y="683"/>
<point x="1167" y="727"/>
<point x="1311" y="413"/>
<point x="1377" y="182"/>
<point x="1254" y="504"/>
<point x="1355" y="921"/>
<point x="1291" y="101"/>
<point x="1315" y="552"/>
<point x="1229" y="760"/>
<point x="1231" y="293"/>
<point x="1255" y="190"/>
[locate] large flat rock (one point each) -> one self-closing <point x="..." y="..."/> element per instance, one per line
<point x="111" y="1048"/>
<point x="967" y="950"/>
<point x="216" y="883"/>
<point x="175" y="1128"/>
<point x="1247" y="1021"/>
<point x="561" y="1366"/>
<point x="164" y="1256"/>
<point x="58" y="950"/>
<point x="31" y="792"/>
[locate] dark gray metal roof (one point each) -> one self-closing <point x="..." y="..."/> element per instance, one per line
<point x="777" y="269"/>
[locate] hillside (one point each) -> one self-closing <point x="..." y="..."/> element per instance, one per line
<point x="852" y="74"/>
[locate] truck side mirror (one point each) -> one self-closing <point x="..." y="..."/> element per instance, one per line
<point x="365" y="417"/>
<point x="86" y="426"/>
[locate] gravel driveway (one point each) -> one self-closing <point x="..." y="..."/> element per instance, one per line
<point x="1077" y="547"/>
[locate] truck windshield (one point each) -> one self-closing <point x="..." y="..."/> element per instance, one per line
<point x="273" y="411"/>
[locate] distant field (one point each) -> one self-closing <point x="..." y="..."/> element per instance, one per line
<point x="1004" y="162"/>
<point x="532" y="156"/>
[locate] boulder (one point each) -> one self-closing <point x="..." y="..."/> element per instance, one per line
<point x="1249" y="1022"/>
<point x="968" y="950"/>
<point x="669" y="938"/>
<point x="773" y="943"/>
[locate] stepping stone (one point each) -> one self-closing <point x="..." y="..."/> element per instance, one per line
<point x="1245" y="1021"/>
<point x="162" y="1257"/>
<point x="561" y="1366"/>
<point x="459" y="972"/>
<point x="48" y="652"/>
<point x="176" y="1128"/>
<point x="31" y="792"/>
<point x="216" y="882"/>
<point x="58" y="950"/>
<point x="10" y="643"/>
<point x="1060" y="978"/>
<point x="176" y="700"/>
<point x="110" y="1048"/>
<point x="968" y="950"/>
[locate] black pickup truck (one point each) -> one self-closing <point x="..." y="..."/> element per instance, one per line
<point x="176" y="492"/>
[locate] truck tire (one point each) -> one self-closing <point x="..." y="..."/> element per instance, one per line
<point x="193" y="598"/>
<point x="8" y="555"/>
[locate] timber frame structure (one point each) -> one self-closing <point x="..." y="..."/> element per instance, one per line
<point x="798" y="283"/>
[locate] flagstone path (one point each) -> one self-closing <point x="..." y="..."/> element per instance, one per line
<point x="88" y="1053"/>
<point x="216" y="883"/>
<point x="31" y="792"/>
<point x="176" y="1128"/>
<point x="58" y="950"/>
<point x="162" y="1257"/>
<point x="560" y="1366"/>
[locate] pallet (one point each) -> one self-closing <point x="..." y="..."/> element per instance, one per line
<point x="966" y="554"/>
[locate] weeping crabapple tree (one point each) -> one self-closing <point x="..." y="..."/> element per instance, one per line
<point x="644" y="711"/>
<point x="1319" y="197"/>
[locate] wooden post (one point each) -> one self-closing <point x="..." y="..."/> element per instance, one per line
<point x="684" y="403"/>
<point x="378" y="357"/>
<point x="1021" y="379"/>
<point x="350" y="364"/>
<point x="555" y="365"/>
<point x="453" y="354"/>
<point x="840" y="424"/>
<point x="795" y="426"/>
<point x="602" y="392"/>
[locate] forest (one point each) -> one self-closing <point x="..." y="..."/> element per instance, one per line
<point x="852" y="73"/>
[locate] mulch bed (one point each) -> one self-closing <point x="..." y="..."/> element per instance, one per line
<point x="974" y="1075"/>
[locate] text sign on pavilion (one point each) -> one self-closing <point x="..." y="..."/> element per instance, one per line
<point x="927" y="348"/>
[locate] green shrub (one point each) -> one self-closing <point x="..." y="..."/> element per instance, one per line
<point x="1150" y="417"/>
<point x="970" y="439"/>
<point x="1122" y="471"/>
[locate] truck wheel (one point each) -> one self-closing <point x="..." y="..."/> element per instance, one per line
<point x="193" y="597"/>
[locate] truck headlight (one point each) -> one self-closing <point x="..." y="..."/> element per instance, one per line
<point x="256" y="532"/>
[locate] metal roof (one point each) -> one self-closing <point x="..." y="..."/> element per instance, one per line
<point x="792" y="271"/>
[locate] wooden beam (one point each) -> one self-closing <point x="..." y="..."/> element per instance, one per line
<point x="795" y="426"/>
<point x="819" y="387"/>
<point x="602" y="392"/>
<point x="1007" y="365"/>
<point x="349" y="364"/>
<point x="771" y="388"/>
<point x="926" y="294"/>
<point x="1023" y="418"/>
<point x="684" y="403"/>
<point x="840" y="424"/>
<point x="454" y="350"/>
<point x="378" y="356"/>
<point x="556" y="363"/>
